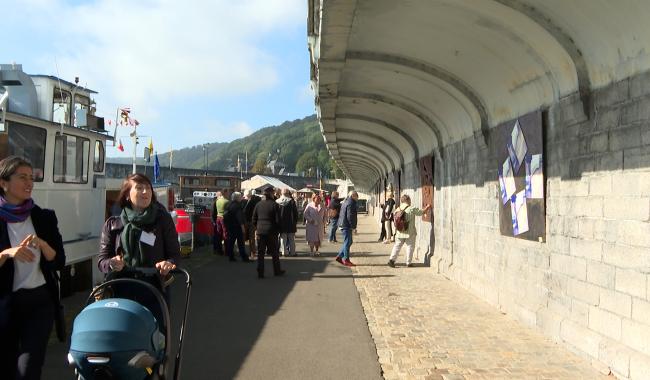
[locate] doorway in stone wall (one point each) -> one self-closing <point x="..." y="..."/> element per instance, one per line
<point x="426" y="185"/>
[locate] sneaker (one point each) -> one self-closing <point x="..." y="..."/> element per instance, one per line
<point x="281" y="272"/>
<point x="349" y="263"/>
<point x="410" y="265"/>
<point x="246" y="260"/>
<point x="339" y="260"/>
<point x="391" y="263"/>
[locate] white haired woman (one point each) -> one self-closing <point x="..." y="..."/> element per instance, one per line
<point x="315" y="217"/>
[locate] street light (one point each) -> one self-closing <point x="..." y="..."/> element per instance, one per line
<point x="205" y="158"/>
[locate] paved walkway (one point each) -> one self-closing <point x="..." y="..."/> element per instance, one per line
<point x="311" y="324"/>
<point x="308" y="324"/>
<point x="427" y="327"/>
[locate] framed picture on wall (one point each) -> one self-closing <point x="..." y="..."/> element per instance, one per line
<point x="519" y="151"/>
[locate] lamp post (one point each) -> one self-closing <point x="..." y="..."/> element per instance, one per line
<point x="205" y="158"/>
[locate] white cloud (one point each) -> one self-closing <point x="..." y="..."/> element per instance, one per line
<point x="147" y="53"/>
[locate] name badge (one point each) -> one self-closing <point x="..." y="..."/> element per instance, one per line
<point x="148" y="238"/>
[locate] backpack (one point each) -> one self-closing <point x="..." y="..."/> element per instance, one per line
<point x="400" y="220"/>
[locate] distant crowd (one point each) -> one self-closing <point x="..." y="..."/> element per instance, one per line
<point x="268" y="224"/>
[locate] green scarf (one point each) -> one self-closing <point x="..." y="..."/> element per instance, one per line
<point x="133" y="222"/>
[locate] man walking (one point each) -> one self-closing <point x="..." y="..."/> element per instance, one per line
<point x="266" y="218"/>
<point x="220" y="232"/>
<point x="249" y="233"/>
<point x="347" y="224"/>
<point x="234" y="221"/>
<point x="404" y="219"/>
<point x="288" y="222"/>
<point x="333" y="210"/>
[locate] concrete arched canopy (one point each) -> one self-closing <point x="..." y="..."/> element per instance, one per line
<point x="445" y="70"/>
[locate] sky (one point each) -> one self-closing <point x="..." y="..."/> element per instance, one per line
<point x="191" y="71"/>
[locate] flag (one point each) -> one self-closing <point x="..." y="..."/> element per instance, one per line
<point x="151" y="145"/>
<point x="147" y="154"/>
<point x="156" y="168"/>
<point x="171" y="157"/>
<point x="238" y="163"/>
<point x="120" y="147"/>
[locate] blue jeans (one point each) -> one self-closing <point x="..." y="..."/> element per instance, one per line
<point x="347" y="243"/>
<point x="334" y="223"/>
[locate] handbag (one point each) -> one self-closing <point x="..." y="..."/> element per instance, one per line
<point x="59" y="323"/>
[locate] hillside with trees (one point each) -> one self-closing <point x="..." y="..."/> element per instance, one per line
<point x="297" y="144"/>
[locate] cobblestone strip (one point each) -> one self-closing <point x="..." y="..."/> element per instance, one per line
<point x="426" y="327"/>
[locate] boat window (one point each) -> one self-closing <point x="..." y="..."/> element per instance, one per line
<point x="98" y="161"/>
<point x="27" y="142"/>
<point x="61" y="106"/>
<point x="81" y="107"/>
<point x="222" y="183"/>
<point x="71" y="159"/>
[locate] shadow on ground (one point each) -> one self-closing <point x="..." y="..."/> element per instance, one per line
<point x="231" y="310"/>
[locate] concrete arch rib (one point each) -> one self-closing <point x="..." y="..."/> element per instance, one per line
<point x="399" y="104"/>
<point x="562" y="38"/>
<point x="382" y="165"/>
<point x="384" y="124"/>
<point x="368" y="170"/>
<point x="360" y="172"/>
<point x="370" y="167"/>
<point x="374" y="136"/>
<point x="381" y="168"/>
<point x="434" y="71"/>
<point x="368" y="148"/>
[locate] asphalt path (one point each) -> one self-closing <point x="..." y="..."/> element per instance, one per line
<point x="308" y="324"/>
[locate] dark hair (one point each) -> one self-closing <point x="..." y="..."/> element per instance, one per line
<point x="268" y="191"/>
<point x="225" y="191"/>
<point x="405" y="198"/>
<point x="141" y="179"/>
<point x="8" y="167"/>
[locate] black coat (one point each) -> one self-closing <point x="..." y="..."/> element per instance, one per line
<point x="266" y="217"/>
<point x="46" y="227"/>
<point x="249" y="207"/>
<point x="288" y="216"/>
<point x="234" y="217"/>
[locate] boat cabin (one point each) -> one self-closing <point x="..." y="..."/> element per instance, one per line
<point x="52" y="123"/>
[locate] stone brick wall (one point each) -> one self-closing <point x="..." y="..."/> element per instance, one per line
<point x="588" y="286"/>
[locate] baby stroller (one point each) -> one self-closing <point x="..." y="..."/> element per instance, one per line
<point x="115" y="337"/>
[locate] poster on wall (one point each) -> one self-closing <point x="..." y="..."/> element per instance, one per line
<point x="426" y="182"/>
<point x="518" y="148"/>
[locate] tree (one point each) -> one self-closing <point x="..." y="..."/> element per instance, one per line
<point x="306" y="161"/>
<point x="259" y="166"/>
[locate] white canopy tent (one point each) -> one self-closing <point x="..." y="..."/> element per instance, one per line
<point x="261" y="181"/>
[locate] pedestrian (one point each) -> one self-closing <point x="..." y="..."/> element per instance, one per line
<point x="288" y="222"/>
<point x="249" y="205"/>
<point x="347" y="224"/>
<point x="31" y="250"/>
<point x="388" y="218"/>
<point x="143" y="235"/>
<point x="315" y="218"/>
<point x="234" y="221"/>
<point x="220" y="230"/>
<point x="382" y="219"/>
<point x="333" y="215"/>
<point x="266" y="217"/>
<point x="405" y="229"/>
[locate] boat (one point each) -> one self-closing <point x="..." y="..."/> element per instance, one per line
<point x="52" y="123"/>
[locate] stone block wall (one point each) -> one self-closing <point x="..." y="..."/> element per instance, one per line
<point x="588" y="285"/>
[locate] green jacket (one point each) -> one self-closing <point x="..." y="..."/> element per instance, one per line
<point x="411" y="213"/>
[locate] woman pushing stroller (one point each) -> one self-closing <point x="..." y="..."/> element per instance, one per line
<point x="143" y="235"/>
